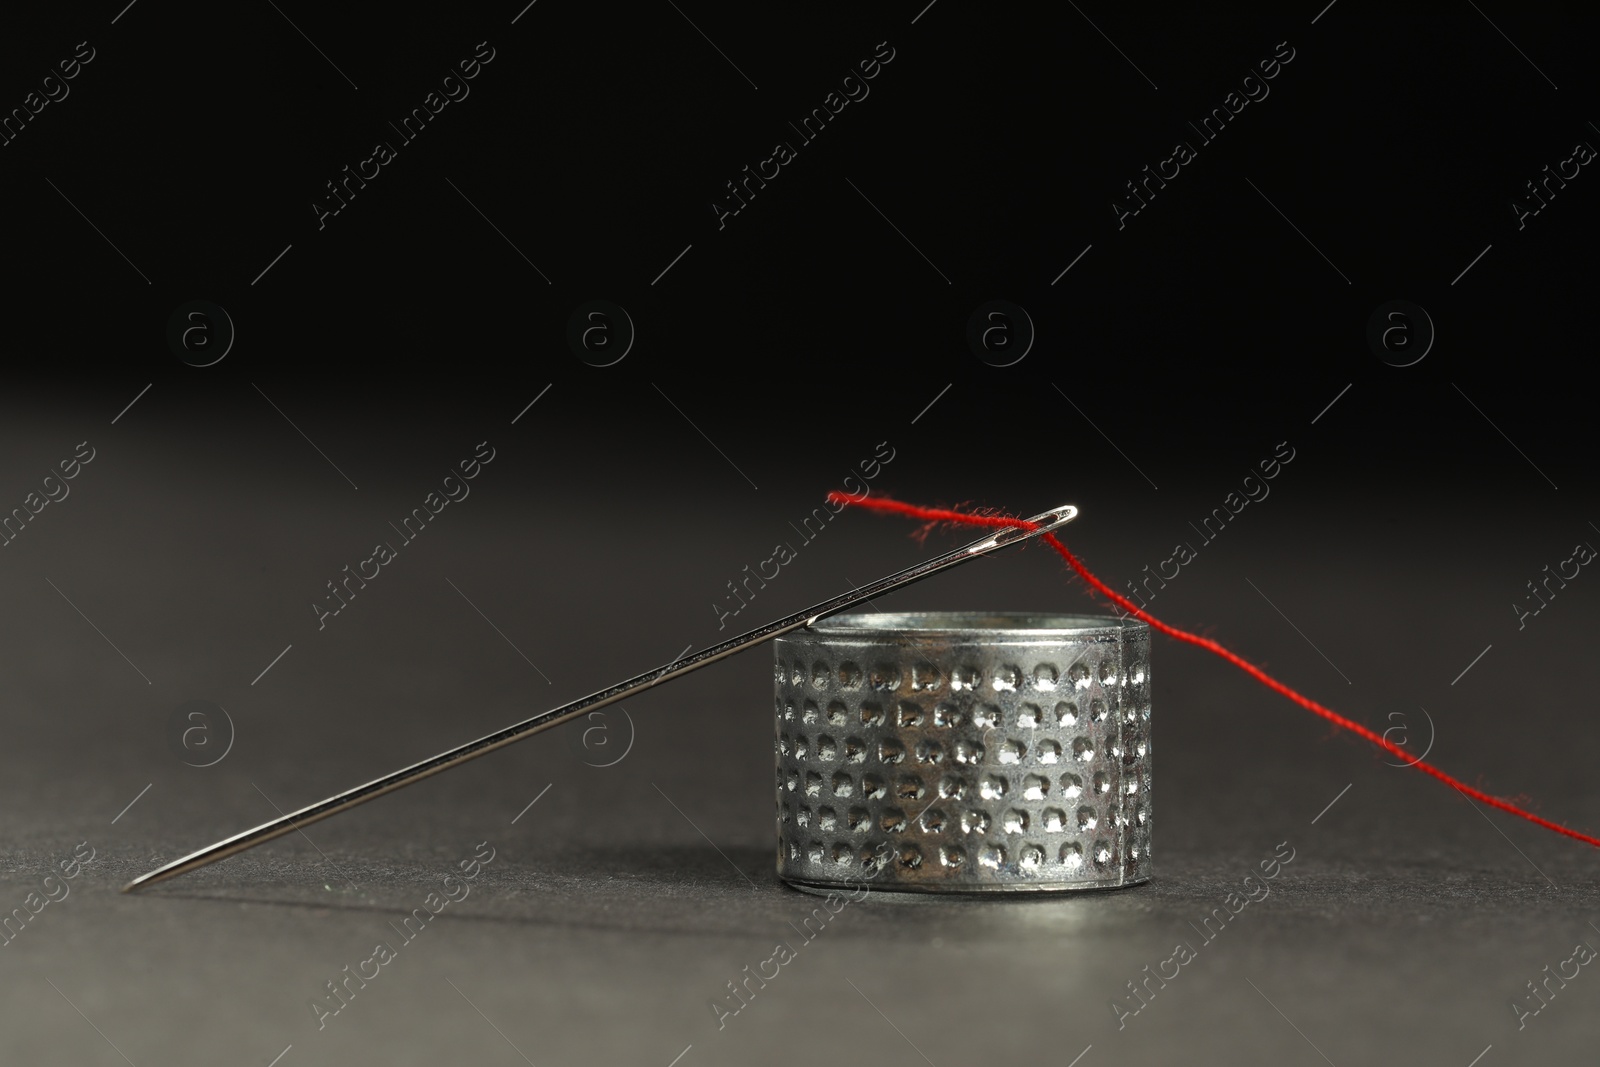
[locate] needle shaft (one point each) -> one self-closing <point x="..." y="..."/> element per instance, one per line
<point x="360" y="794"/>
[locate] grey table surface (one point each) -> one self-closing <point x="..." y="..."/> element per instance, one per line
<point x="619" y="906"/>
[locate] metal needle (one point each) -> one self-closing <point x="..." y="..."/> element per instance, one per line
<point x="322" y="809"/>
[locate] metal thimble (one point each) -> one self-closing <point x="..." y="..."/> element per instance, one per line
<point x="964" y="752"/>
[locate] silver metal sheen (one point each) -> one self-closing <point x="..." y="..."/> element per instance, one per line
<point x="964" y="752"/>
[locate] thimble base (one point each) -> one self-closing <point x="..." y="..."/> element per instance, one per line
<point x="823" y="889"/>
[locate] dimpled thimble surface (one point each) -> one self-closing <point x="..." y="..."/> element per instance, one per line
<point x="964" y="752"/>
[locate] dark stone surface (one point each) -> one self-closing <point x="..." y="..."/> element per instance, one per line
<point x="607" y="921"/>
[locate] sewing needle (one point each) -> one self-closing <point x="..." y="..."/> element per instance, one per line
<point x="322" y="809"/>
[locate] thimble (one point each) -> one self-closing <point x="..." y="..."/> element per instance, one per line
<point x="964" y="752"/>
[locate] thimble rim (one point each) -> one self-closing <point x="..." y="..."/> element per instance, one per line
<point x="889" y="624"/>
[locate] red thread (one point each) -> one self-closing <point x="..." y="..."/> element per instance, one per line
<point x="942" y="515"/>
